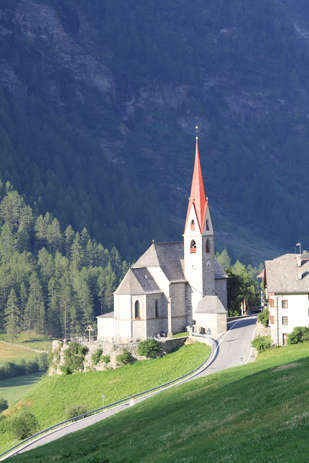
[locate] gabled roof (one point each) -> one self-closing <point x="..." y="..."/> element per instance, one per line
<point x="168" y="256"/>
<point x="211" y="305"/>
<point x="288" y="274"/>
<point x="137" y="281"/>
<point x="198" y="198"/>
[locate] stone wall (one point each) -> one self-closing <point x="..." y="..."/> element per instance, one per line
<point x="262" y="330"/>
<point x="109" y="349"/>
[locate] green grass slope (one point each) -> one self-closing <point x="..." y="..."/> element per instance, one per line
<point x="13" y="389"/>
<point x="50" y="398"/>
<point x="255" y="413"/>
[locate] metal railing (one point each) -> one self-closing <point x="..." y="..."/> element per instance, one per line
<point x="190" y="375"/>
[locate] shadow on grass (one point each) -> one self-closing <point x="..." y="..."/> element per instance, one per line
<point x="26" y="380"/>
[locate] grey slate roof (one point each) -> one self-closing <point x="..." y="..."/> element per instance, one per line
<point x="165" y="255"/>
<point x="106" y="315"/>
<point x="211" y="304"/>
<point x="283" y="275"/>
<point x="137" y="281"/>
<point x="169" y="256"/>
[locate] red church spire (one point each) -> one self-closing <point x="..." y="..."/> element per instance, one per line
<point x="198" y="197"/>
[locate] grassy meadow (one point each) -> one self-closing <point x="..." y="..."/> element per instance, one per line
<point x="251" y="414"/>
<point x="13" y="389"/>
<point x="15" y="352"/>
<point x="53" y="395"/>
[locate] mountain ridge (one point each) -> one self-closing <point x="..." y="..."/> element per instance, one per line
<point x="99" y="104"/>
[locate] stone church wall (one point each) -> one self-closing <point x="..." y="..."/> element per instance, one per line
<point x="178" y="298"/>
<point x="221" y="291"/>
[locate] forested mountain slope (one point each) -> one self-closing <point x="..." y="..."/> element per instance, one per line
<point x="97" y="106"/>
<point x="52" y="281"/>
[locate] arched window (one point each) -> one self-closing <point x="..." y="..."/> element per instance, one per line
<point x="193" y="247"/>
<point x="207" y="225"/>
<point x="192" y="225"/>
<point x="137" y="311"/>
<point x="207" y="246"/>
<point x="156" y="309"/>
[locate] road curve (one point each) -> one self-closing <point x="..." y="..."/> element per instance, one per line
<point x="232" y="349"/>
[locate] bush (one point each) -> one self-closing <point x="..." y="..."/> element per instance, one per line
<point x="23" y="425"/>
<point x="106" y="358"/>
<point x="263" y="317"/>
<point x="74" y="357"/>
<point x="262" y="343"/>
<point x="3" y="404"/>
<point x="299" y="334"/>
<point x="75" y="410"/>
<point x="97" y="356"/>
<point x="125" y="358"/>
<point x="149" y="348"/>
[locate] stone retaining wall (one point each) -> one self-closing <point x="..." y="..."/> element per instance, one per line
<point x="109" y="349"/>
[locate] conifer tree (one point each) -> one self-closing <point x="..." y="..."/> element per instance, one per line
<point x="35" y="308"/>
<point x="12" y="316"/>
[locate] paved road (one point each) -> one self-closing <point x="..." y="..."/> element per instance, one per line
<point x="232" y="349"/>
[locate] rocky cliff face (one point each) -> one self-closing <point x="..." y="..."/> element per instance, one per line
<point x="98" y="104"/>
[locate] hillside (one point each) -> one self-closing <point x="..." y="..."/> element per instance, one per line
<point x="54" y="396"/>
<point x="98" y="103"/>
<point x="255" y="413"/>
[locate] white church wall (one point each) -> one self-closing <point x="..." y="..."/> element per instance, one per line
<point x="216" y="323"/>
<point x="105" y="328"/>
<point x="221" y="291"/>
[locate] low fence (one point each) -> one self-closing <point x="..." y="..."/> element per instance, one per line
<point x="190" y="375"/>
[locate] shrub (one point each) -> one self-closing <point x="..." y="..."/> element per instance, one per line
<point x="106" y="358"/>
<point x="299" y="334"/>
<point x="97" y="356"/>
<point x="263" y="317"/>
<point x="149" y="348"/>
<point x="74" y="357"/>
<point x="3" y="404"/>
<point x="23" y="425"/>
<point x="125" y="358"/>
<point x="75" y="410"/>
<point x="262" y="343"/>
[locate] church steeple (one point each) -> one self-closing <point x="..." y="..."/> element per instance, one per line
<point x="199" y="244"/>
<point x="198" y="197"/>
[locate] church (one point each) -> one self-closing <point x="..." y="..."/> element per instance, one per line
<point x="173" y="286"/>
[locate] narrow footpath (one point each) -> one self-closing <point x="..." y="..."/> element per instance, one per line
<point x="232" y="349"/>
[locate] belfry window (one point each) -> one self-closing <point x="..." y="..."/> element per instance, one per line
<point x="192" y="225"/>
<point x="207" y="225"/>
<point x="192" y="247"/>
<point x="207" y="246"/>
<point x="156" y="309"/>
<point x="137" y="310"/>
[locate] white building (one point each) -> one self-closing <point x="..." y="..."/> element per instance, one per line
<point x="287" y="285"/>
<point x="173" y="285"/>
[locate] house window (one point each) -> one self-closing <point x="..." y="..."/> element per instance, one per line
<point x="284" y="304"/>
<point x="207" y="225"/>
<point x="137" y="310"/>
<point x="207" y="246"/>
<point x="271" y="302"/>
<point x="271" y="319"/>
<point x="192" y="225"/>
<point x="156" y="309"/>
<point x="285" y="321"/>
<point x="193" y="247"/>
